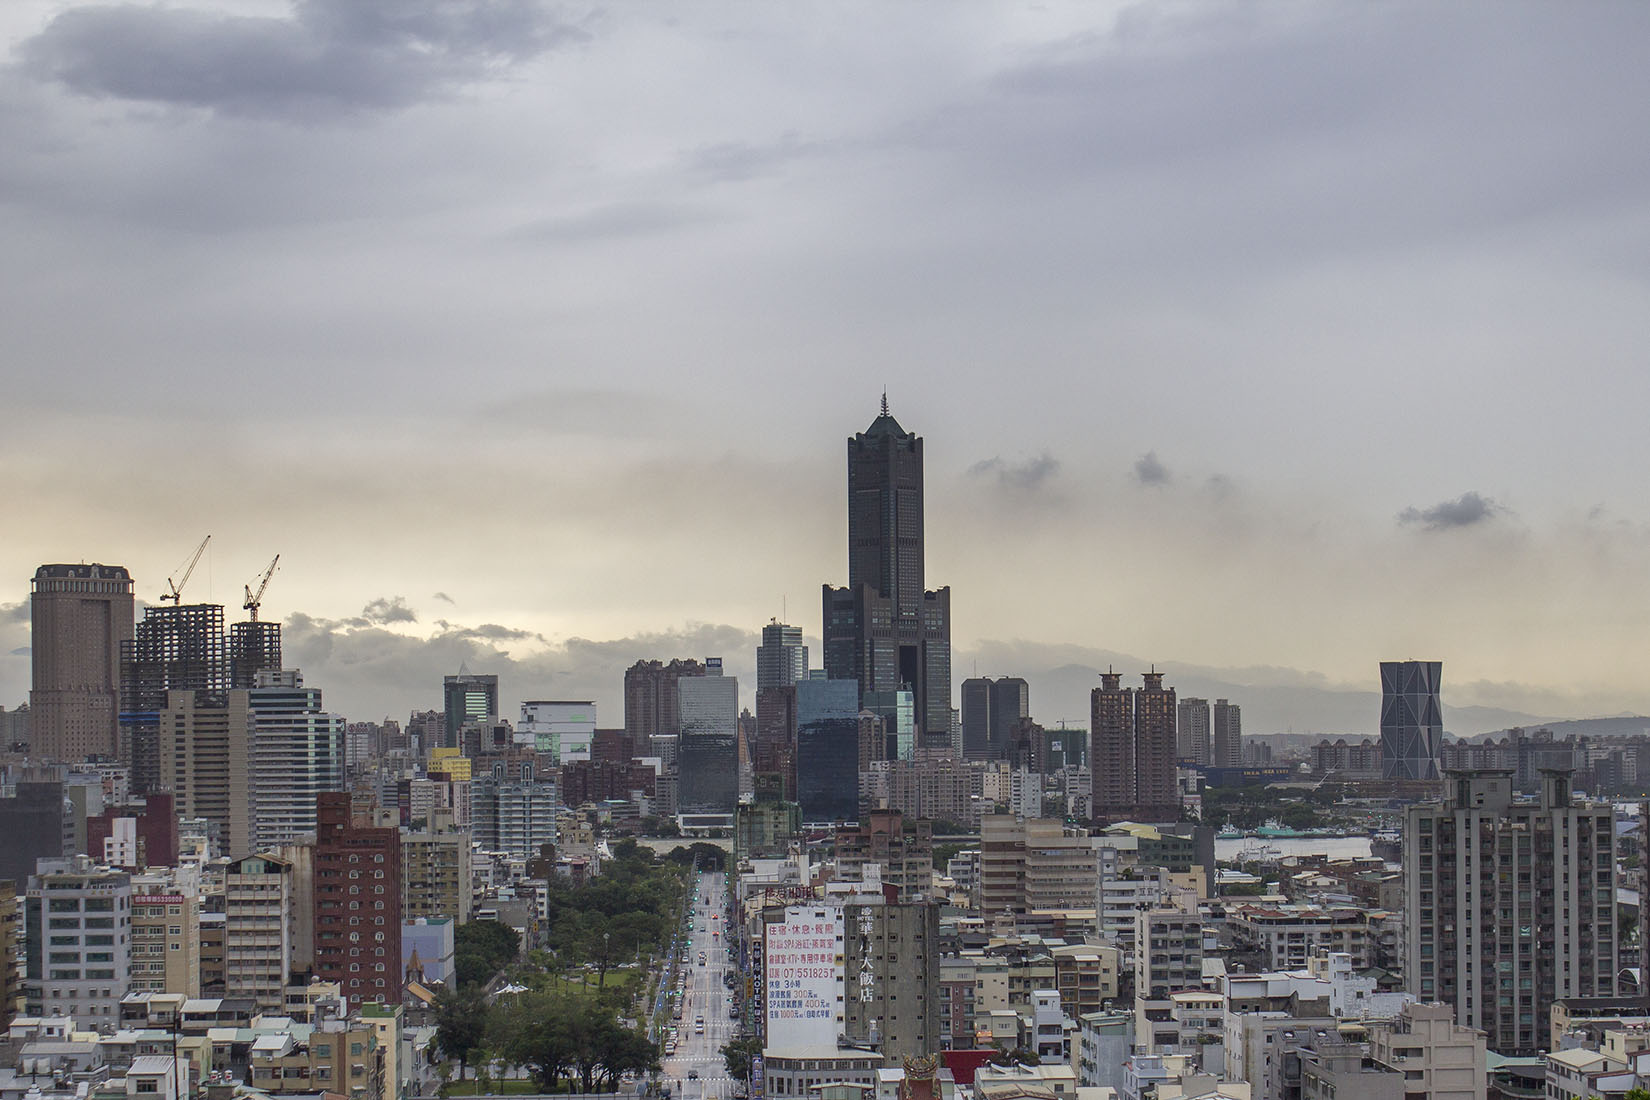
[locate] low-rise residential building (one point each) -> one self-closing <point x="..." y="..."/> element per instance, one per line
<point x="1086" y="976"/>
<point x="1440" y="1060"/>
<point x="340" y="1056"/>
<point x="1287" y="936"/>
<point x="1342" y="1071"/>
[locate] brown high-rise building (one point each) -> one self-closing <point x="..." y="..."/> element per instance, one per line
<point x="1111" y="748"/>
<point x="80" y="615"/>
<point x="1133" y="750"/>
<point x="1156" y="785"/>
<point x="650" y="700"/>
<point x="357" y="901"/>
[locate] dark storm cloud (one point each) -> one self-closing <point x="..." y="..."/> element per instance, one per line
<point x="392" y="609"/>
<point x="1149" y="471"/>
<point x="323" y="59"/>
<point x="1026" y="475"/>
<point x="1466" y="510"/>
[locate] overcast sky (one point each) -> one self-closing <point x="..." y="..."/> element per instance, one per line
<point x="1271" y="338"/>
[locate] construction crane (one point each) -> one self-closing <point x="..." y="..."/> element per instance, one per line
<point x="174" y="592"/>
<point x="253" y="599"/>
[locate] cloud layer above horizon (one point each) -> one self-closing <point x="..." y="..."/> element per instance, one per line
<point x="1296" y="335"/>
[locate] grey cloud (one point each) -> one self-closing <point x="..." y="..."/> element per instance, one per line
<point x="22" y="651"/>
<point x="322" y="59"/>
<point x="1026" y="475"/>
<point x="1149" y="471"/>
<point x="442" y="596"/>
<point x="392" y="609"/>
<point x="737" y="161"/>
<point x="14" y="612"/>
<point x="486" y="632"/>
<point x="619" y="220"/>
<point x="1466" y="510"/>
<point x="368" y="670"/>
<point x="592" y="412"/>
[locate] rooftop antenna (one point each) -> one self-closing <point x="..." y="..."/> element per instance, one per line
<point x="885" y="401"/>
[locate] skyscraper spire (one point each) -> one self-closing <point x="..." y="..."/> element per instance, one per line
<point x="885" y="401"/>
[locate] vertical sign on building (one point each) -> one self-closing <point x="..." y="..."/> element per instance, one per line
<point x="803" y="977"/>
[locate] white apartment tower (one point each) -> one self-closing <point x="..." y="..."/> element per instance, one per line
<point x="297" y="753"/>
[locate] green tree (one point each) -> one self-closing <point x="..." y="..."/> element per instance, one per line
<point x="532" y="1031"/>
<point x="460" y="1025"/>
<point x="481" y="948"/>
<point x="738" y="1056"/>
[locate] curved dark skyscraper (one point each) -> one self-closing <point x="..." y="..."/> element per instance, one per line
<point x="885" y="629"/>
<point x="1412" y="719"/>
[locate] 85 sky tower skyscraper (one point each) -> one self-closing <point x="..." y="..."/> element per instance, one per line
<point x="884" y="629"/>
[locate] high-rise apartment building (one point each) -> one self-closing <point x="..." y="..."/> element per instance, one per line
<point x="205" y="757"/>
<point x="561" y="729"/>
<point x="297" y="753"/>
<point x="1412" y="719"/>
<point x="357" y="902"/>
<point x="1168" y="954"/>
<point x="1133" y="750"/>
<point x="80" y="616"/>
<point x="827" y="750"/>
<point x="651" y="708"/>
<point x="465" y="698"/>
<point x="1192" y="734"/>
<point x="77" y="952"/>
<point x="517" y="816"/>
<point x="1509" y="904"/>
<point x="1031" y="863"/>
<point x="435" y="870"/>
<point x="1227" y="749"/>
<point x="708" y="752"/>
<point x="205" y="754"/>
<point x="166" y="948"/>
<point x="781" y="659"/>
<point x="1111" y="747"/>
<point x="885" y="629"/>
<point x="258" y="929"/>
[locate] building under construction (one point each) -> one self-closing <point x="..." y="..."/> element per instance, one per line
<point x="183" y="647"/>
